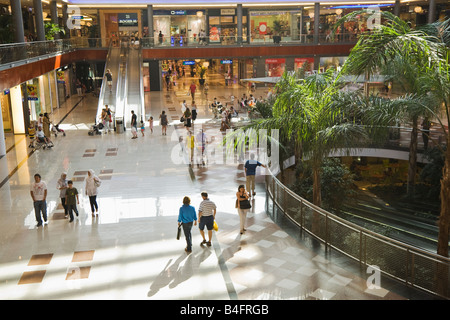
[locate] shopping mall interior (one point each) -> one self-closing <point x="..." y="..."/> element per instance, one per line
<point x="63" y="62"/>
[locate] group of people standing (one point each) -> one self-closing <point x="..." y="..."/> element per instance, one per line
<point x="67" y="193"/>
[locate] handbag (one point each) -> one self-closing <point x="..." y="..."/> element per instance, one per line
<point x="215" y="226"/>
<point x="179" y="232"/>
<point x="244" y="204"/>
<point x="182" y="119"/>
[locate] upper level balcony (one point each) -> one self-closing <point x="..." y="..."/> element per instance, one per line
<point x="15" y="54"/>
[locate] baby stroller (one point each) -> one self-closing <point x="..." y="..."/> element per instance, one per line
<point x="96" y="129"/>
<point x="56" y="130"/>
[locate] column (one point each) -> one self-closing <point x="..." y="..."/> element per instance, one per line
<point x="239" y="23"/>
<point x="316" y="22"/>
<point x="151" y="31"/>
<point x="65" y="18"/>
<point x="16" y="8"/>
<point x="432" y="11"/>
<point x="54" y="14"/>
<point x="39" y="20"/>
<point x="397" y="8"/>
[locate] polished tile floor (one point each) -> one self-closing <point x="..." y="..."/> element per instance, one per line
<point x="130" y="250"/>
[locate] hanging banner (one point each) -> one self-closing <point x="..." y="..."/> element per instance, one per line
<point x="262" y="28"/>
<point x="60" y="77"/>
<point x="32" y="92"/>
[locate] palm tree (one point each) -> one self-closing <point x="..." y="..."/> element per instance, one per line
<point x="428" y="50"/>
<point x="403" y="55"/>
<point x="305" y="114"/>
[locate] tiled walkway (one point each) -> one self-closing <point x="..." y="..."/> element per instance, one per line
<point x="130" y="250"/>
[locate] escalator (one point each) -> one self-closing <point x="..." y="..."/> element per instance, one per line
<point x="126" y="66"/>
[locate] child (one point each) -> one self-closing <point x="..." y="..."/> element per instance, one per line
<point x="71" y="195"/>
<point x="142" y="128"/>
<point x="31" y="133"/>
<point x="150" y="123"/>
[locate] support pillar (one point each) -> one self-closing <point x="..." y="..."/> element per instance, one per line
<point x="151" y="31"/>
<point x="432" y="11"/>
<point x="239" y="23"/>
<point x="16" y="8"/>
<point x="39" y="20"/>
<point x="54" y="14"/>
<point x="316" y="22"/>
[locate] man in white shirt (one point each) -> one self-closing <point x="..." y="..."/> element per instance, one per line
<point x="206" y="215"/>
<point x="38" y="192"/>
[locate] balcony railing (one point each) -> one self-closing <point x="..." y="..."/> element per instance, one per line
<point x="13" y="53"/>
<point x="412" y="266"/>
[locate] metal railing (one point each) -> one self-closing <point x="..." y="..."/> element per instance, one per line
<point x="27" y="51"/>
<point x="412" y="266"/>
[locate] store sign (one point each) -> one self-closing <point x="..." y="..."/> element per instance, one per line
<point x="273" y="61"/>
<point x="227" y="12"/>
<point x="226" y="61"/>
<point x="127" y="19"/>
<point x="188" y="63"/>
<point x="178" y="12"/>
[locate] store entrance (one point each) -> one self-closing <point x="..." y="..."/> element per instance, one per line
<point x="178" y="74"/>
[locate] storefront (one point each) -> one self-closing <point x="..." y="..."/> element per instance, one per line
<point x="178" y="27"/>
<point x="223" y="25"/>
<point x="299" y="63"/>
<point x="282" y="24"/>
<point x="275" y="67"/>
<point x="120" y="25"/>
<point x="332" y="62"/>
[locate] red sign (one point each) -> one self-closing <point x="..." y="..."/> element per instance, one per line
<point x="262" y="28"/>
<point x="273" y="61"/>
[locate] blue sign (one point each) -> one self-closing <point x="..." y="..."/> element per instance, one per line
<point x="226" y="61"/>
<point x="188" y="63"/>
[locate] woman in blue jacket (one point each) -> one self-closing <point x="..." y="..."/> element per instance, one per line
<point x="186" y="218"/>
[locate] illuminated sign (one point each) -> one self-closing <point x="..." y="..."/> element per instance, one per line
<point x="127" y="19"/>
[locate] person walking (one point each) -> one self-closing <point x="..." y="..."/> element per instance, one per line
<point x="192" y="89"/>
<point x="206" y="217"/>
<point x="92" y="183"/>
<point x="190" y="146"/>
<point x="61" y="185"/>
<point x="187" y="115"/>
<point x="38" y="192"/>
<point x="250" y="172"/>
<point x="108" y="76"/>
<point x="243" y="205"/>
<point x="72" y="199"/>
<point x="194" y="111"/>
<point x="150" y="124"/>
<point x="186" y="218"/>
<point x="164" y="122"/>
<point x="133" y="124"/>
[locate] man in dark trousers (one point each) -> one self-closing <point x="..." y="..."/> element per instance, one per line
<point x="250" y="172"/>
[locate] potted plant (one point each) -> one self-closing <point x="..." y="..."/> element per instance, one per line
<point x="201" y="73"/>
<point x="51" y="29"/>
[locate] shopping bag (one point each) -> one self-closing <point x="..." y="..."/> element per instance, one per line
<point x="178" y="232"/>
<point x="215" y="226"/>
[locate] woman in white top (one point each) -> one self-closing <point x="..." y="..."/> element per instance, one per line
<point x="92" y="183"/>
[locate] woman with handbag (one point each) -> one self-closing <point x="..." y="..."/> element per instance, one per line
<point x="243" y="205"/>
<point x="92" y="183"/>
<point x="186" y="218"/>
